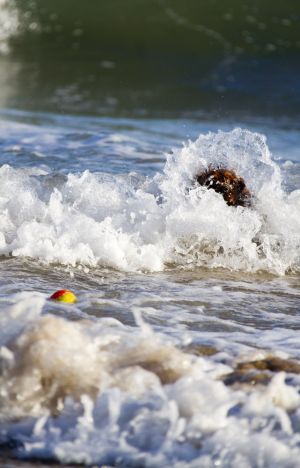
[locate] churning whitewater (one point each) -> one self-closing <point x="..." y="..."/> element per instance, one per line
<point x="102" y="392"/>
<point x="148" y="369"/>
<point x="136" y="223"/>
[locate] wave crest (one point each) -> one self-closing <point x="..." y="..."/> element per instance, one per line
<point x="133" y="223"/>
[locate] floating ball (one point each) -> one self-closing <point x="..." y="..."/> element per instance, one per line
<point x="63" y="295"/>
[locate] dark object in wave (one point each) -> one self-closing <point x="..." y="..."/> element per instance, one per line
<point x="226" y="182"/>
<point x="260" y="371"/>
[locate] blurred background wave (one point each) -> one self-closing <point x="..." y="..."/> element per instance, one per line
<point x="151" y="57"/>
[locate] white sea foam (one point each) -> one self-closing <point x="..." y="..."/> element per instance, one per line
<point x="103" y="393"/>
<point x="9" y="23"/>
<point x="133" y="224"/>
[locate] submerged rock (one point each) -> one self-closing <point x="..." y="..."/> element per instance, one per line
<point x="260" y="371"/>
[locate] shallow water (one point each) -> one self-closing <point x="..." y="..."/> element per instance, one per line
<point x="183" y="347"/>
<point x="172" y="292"/>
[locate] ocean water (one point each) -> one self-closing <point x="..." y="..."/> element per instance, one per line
<point x="183" y="347"/>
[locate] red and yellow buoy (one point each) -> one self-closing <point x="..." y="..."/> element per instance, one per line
<point x="64" y="295"/>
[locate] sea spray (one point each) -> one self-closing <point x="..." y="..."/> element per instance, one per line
<point x="9" y="24"/>
<point x="143" y="224"/>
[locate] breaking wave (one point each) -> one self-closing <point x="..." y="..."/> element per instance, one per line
<point x="135" y="223"/>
